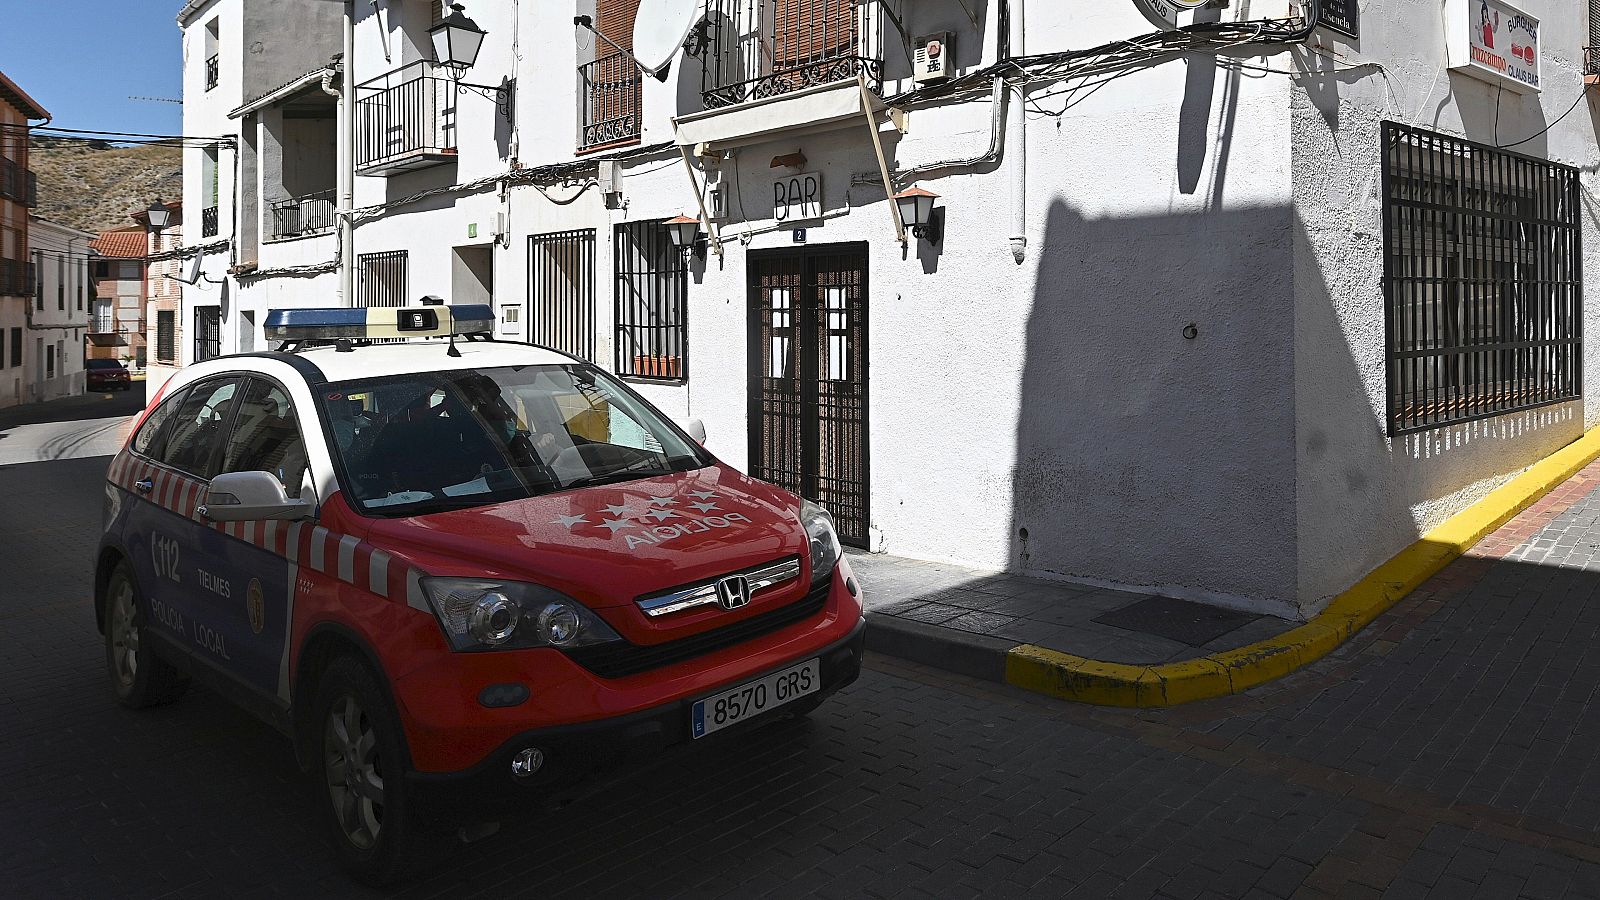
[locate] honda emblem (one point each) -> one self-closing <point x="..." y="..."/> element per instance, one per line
<point x="733" y="592"/>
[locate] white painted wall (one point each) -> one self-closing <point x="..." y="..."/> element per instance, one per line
<point x="64" y="277"/>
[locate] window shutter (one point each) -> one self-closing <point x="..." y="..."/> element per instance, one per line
<point x="435" y="13"/>
<point x="808" y="30"/>
<point x="614" y="19"/>
<point x="1594" y="23"/>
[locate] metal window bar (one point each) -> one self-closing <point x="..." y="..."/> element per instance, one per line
<point x="611" y="101"/>
<point x="752" y="49"/>
<point x="561" y="296"/>
<point x="213" y="70"/>
<point x="209" y="221"/>
<point x="1482" y="291"/>
<point x="651" y="304"/>
<point x="295" y="216"/>
<point x="1591" y="59"/>
<point x="383" y="278"/>
<point x="407" y="111"/>
<point x="207" y="333"/>
<point x="166" y="335"/>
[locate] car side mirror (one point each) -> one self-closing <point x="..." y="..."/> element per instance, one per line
<point x="251" y="497"/>
<point x="697" y="430"/>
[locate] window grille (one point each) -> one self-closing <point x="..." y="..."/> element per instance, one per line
<point x="1482" y="291"/>
<point x="207" y="333"/>
<point x="16" y="347"/>
<point x="561" y="291"/>
<point x="652" y="303"/>
<point x="166" y="337"/>
<point x="383" y="278"/>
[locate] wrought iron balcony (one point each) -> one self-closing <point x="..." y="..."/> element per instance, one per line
<point x="751" y="51"/>
<point x="611" y="102"/>
<point x="297" y="216"/>
<point x="18" y="183"/>
<point x="213" y="71"/>
<point x="1591" y="65"/>
<point x="208" y="222"/>
<point x="405" y="119"/>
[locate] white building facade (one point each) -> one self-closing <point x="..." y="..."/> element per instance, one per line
<point x="58" y="313"/>
<point x="1234" y="324"/>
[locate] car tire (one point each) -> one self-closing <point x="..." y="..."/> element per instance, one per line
<point x="359" y="776"/>
<point x="140" y="677"/>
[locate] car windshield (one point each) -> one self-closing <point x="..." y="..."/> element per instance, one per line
<point x="431" y="441"/>
<point x="101" y="364"/>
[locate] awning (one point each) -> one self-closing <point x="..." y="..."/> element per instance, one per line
<point x="836" y="105"/>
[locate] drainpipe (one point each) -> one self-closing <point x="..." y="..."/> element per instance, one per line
<point x="1017" y="143"/>
<point x="347" y="158"/>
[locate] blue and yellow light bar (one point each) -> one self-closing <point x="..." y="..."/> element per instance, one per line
<point x="372" y="322"/>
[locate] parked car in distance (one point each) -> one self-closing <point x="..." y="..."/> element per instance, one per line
<point x="107" y="375"/>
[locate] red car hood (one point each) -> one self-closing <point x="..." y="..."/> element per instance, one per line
<point x="607" y="545"/>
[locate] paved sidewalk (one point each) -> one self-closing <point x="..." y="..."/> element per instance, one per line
<point x="967" y="620"/>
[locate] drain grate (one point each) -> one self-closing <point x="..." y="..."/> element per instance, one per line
<point x="1177" y="620"/>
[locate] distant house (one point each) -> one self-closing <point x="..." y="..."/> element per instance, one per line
<point x="116" y="316"/>
<point x="18" y="194"/>
<point x="163" y="322"/>
<point x="58" y="317"/>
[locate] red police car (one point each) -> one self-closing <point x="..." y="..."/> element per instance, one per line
<point x="106" y="375"/>
<point x="457" y="575"/>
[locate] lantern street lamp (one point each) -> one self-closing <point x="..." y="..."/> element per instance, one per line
<point x="158" y="214"/>
<point x="685" y="234"/>
<point x="456" y="42"/>
<point x="916" y="211"/>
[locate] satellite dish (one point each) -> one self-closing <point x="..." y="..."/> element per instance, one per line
<point x="192" y="274"/>
<point x="659" y="32"/>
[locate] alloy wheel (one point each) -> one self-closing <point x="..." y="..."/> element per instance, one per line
<point x="354" y="776"/>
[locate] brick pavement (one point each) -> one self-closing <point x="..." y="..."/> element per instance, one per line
<point x="1447" y="751"/>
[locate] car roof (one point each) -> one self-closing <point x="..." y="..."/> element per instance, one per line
<point x="329" y="364"/>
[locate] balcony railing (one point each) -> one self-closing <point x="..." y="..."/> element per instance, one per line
<point x="208" y="222"/>
<point x="19" y="184"/>
<point x="298" y="216"/>
<point x="17" y="278"/>
<point x="101" y="324"/>
<point x="756" y="50"/>
<point x="610" y="97"/>
<point x="1591" y="65"/>
<point x="213" y="70"/>
<point x="406" y="119"/>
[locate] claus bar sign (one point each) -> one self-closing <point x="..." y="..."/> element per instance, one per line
<point x="1169" y="14"/>
<point x="1494" y="41"/>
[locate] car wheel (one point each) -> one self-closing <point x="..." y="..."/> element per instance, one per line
<point x="139" y="676"/>
<point x="360" y="774"/>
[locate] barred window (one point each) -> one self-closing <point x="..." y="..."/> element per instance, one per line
<point x="383" y="278"/>
<point x="561" y="291"/>
<point x="652" y="304"/>
<point x="1482" y="290"/>
<point x="166" y="336"/>
<point x="207" y="333"/>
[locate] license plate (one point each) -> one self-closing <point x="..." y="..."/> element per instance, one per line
<point x="734" y="705"/>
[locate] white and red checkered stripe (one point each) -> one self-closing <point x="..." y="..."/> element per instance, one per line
<point x="342" y="556"/>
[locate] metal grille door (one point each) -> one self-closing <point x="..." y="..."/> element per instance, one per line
<point x="561" y="291"/>
<point x="808" y="379"/>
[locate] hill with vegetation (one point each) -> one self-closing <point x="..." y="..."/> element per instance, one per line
<point x="94" y="186"/>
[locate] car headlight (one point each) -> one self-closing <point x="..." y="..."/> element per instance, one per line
<point x="484" y="614"/>
<point x="824" y="541"/>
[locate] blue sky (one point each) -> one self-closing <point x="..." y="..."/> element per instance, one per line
<point x="82" y="59"/>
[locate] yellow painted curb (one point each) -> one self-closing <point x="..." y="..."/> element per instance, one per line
<point x="1169" y="684"/>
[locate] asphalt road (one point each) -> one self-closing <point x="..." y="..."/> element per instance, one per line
<point x="1448" y="753"/>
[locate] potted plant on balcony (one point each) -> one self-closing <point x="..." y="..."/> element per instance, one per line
<point x="646" y="366"/>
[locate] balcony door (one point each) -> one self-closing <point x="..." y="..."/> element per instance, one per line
<point x="808" y="378"/>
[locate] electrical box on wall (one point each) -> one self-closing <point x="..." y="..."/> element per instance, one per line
<point x="934" y="59"/>
<point x="716" y="203"/>
<point x="609" y="176"/>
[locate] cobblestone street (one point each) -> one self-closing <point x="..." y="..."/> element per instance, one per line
<point x="1447" y="751"/>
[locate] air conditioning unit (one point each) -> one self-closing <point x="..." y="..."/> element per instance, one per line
<point x="935" y="59"/>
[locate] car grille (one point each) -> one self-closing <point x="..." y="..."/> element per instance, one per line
<point x="621" y="659"/>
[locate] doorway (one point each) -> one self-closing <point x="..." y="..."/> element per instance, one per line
<point x="808" y="378"/>
<point x="472" y="275"/>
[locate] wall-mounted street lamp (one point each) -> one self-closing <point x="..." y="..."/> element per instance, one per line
<point x="917" y="212"/>
<point x="685" y="234"/>
<point x="158" y="214"/>
<point x="456" y="42"/>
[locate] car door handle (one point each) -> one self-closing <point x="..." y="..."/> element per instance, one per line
<point x="145" y="486"/>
